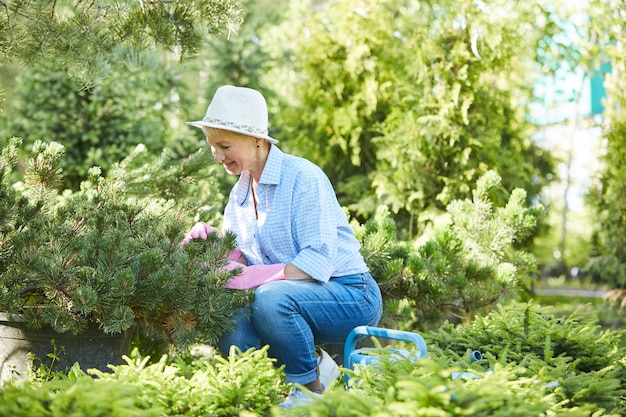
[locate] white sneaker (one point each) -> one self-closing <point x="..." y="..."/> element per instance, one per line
<point x="298" y="398"/>
<point x="329" y="371"/>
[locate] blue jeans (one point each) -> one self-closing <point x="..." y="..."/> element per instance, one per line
<point x="293" y="316"/>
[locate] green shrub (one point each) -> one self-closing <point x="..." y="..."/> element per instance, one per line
<point x="426" y="388"/>
<point x="85" y="397"/>
<point x="534" y="365"/>
<point x="213" y="386"/>
<point x="189" y="386"/>
<point x="586" y="361"/>
<point x="469" y="264"/>
<point x="109" y="254"/>
<point x="102" y="124"/>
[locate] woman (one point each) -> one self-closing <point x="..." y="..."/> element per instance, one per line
<point x="294" y="241"/>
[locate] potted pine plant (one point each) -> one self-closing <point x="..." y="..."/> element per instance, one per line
<point x="101" y="261"/>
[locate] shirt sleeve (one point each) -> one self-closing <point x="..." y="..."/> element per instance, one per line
<point x="314" y="225"/>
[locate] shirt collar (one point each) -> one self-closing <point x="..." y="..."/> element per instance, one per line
<point x="272" y="168"/>
<point x="270" y="175"/>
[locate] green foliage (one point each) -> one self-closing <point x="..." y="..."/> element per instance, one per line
<point x="15" y="209"/>
<point x="88" y="398"/>
<point x="608" y="263"/>
<point x="585" y="361"/>
<point x="105" y="256"/>
<point x="425" y="388"/>
<point x="468" y="265"/>
<point x="80" y="36"/>
<point x="102" y="124"/>
<point x="243" y="59"/>
<point x="243" y="384"/>
<point x="534" y="364"/>
<point x="418" y="138"/>
<point x="215" y="386"/>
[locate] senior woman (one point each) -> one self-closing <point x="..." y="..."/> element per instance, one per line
<point x="294" y="244"/>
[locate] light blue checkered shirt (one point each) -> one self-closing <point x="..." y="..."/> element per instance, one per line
<point x="300" y="221"/>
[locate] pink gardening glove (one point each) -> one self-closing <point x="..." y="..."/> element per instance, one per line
<point x="234" y="256"/>
<point x="254" y="275"/>
<point x="199" y="230"/>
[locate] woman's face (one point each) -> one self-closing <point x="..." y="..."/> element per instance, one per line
<point x="237" y="153"/>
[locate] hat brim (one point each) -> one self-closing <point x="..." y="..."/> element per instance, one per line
<point x="201" y="123"/>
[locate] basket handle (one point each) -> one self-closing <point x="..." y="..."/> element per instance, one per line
<point x="361" y="331"/>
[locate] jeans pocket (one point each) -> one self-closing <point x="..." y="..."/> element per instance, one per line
<point x="359" y="286"/>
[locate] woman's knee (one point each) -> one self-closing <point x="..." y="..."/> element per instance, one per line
<point x="268" y="294"/>
<point x="269" y="300"/>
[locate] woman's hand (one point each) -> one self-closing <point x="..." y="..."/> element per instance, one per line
<point x="253" y="276"/>
<point x="237" y="256"/>
<point x="199" y="230"/>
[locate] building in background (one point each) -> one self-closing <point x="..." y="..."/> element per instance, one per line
<point x="569" y="113"/>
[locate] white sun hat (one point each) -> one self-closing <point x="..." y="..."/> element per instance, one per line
<point x="238" y="109"/>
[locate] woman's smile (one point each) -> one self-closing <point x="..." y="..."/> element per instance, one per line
<point x="231" y="167"/>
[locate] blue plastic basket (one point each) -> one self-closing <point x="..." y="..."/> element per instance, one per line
<point x="367" y="356"/>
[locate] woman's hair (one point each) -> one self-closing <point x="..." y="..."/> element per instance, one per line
<point x="215" y="133"/>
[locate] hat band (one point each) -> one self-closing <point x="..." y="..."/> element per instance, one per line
<point x="226" y="123"/>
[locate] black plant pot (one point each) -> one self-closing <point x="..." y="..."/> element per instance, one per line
<point x="91" y="349"/>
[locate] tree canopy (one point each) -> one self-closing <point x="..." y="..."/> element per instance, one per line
<point x="79" y="36"/>
<point x="405" y="104"/>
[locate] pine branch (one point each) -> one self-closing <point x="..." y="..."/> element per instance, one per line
<point x="107" y="257"/>
<point x="84" y="37"/>
<point x="467" y="266"/>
